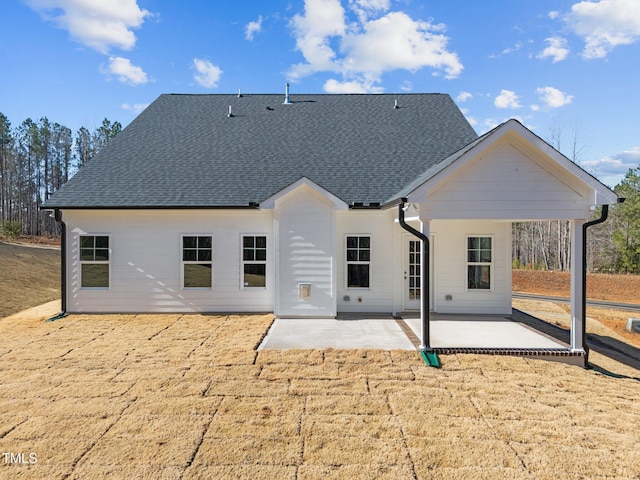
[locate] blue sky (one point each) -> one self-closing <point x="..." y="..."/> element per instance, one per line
<point x="567" y="69"/>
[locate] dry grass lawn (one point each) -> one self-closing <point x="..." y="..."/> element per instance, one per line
<point x="188" y="397"/>
<point x="29" y="276"/>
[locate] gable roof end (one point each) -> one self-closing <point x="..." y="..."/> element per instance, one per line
<point x="603" y="195"/>
<point x="270" y="202"/>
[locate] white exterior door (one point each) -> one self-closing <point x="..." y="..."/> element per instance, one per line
<point x="413" y="285"/>
<point x="412" y="280"/>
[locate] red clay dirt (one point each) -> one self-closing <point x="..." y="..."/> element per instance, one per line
<point x="616" y="288"/>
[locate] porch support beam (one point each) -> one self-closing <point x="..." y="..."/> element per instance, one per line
<point x="577" y="285"/>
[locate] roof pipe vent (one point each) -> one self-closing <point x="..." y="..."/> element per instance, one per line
<point x="239" y="94"/>
<point x="395" y="104"/>
<point x="287" y="100"/>
<point x="229" y="115"/>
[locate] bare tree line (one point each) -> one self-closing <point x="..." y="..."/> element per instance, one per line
<point x="36" y="159"/>
<point x="613" y="246"/>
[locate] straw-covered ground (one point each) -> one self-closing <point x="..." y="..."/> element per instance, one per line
<point x="28" y="277"/>
<point x="188" y="397"/>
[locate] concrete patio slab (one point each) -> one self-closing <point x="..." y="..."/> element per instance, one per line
<point x="481" y="331"/>
<point x="383" y="332"/>
<point x="316" y="333"/>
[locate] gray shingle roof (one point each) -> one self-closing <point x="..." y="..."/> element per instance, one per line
<point x="184" y="151"/>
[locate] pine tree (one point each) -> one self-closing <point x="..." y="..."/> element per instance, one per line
<point x="627" y="234"/>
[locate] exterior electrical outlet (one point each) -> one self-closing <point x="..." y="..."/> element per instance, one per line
<point x="304" y="290"/>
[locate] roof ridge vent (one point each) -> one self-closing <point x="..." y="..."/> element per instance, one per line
<point x="287" y="99"/>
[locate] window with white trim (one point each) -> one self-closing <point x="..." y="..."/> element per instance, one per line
<point x="254" y="261"/>
<point x="479" y="263"/>
<point x="358" y="261"/>
<point x="94" y="261"/>
<point x="197" y="261"/>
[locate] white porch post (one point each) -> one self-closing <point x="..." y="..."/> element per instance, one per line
<point x="577" y="286"/>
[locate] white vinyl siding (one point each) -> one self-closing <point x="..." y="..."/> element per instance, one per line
<point x="385" y="268"/>
<point x="507" y="182"/>
<point x="451" y="267"/>
<point x="146" y="261"/>
<point x="305" y="250"/>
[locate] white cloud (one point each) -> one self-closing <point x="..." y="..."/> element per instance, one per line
<point x="463" y="97"/>
<point x="252" y="28"/>
<point x="557" y="49"/>
<point x="472" y="120"/>
<point x="604" y="25"/>
<point x="553" y="14"/>
<point x="488" y="124"/>
<point x="491" y="123"/>
<point x="371" y="5"/>
<point x="322" y="20"/>
<point x="356" y="86"/>
<point x="135" y="108"/>
<point x="125" y="71"/>
<point x="553" y="98"/>
<point x="406" y="86"/>
<point x="507" y="51"/>
<point x="366" y="8"/>
<point x="367" y="47"/>
<point x="507" y="99"/>
<point x="397" y="42"/>
<point x="207" y="74"/>
<point x="97" y="24"/>
<point x="613" y="168"/>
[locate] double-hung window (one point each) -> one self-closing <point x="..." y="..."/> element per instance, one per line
<point x="197" y="261"/>
<point x="479" y="263"/>
<point x="94" y="261"/>
<point x="358" y="261"/>
<point x="254" y="261"/>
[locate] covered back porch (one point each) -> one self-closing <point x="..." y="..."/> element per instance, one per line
<point x="508" y="175"/>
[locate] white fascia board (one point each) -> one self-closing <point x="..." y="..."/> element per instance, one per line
<point x="270" y="202"/>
